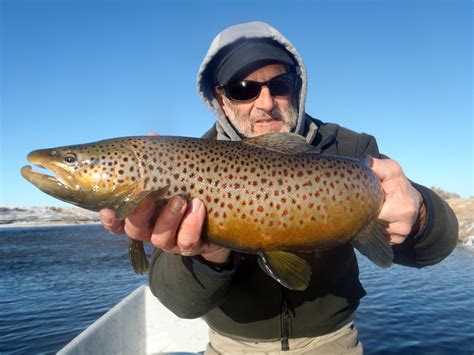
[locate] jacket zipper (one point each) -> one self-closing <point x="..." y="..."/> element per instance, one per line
<point x="285" y="326"/>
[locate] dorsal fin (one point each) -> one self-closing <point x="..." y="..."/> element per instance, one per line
<point x="288" y="143"/>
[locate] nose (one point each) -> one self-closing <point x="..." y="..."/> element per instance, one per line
<point x="265" y="100"/>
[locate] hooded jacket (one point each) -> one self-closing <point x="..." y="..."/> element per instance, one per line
<point x="205" y="81"/>
<point x="240" y="300"/>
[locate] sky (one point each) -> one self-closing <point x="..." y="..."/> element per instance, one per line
<point x="80" y="71"/>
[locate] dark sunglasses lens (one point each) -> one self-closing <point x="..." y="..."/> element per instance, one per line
<point x="247" y="90"/>
<point x="243" y="90"/>
<point x="281" y="86"/>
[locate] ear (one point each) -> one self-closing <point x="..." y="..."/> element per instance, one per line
<point x="218" y="95"/>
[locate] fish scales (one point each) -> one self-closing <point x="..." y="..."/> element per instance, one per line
<point x="265" y="195"/>
<point x="261" y="199"/>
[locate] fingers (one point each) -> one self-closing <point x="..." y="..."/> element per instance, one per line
<point x="178" y="228"/>
<point x="107" y="218"/>
<point x="137" y="225"/>
<point x="189" y="232"/>
<point x="166" y="226"/>
<point x="402" y="200"/>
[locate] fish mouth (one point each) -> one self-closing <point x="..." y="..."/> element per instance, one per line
<point x="53" y="185"/>
<point x="58" y="185"/>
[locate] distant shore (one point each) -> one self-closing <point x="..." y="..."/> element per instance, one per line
<point x="22" y="216"/>
<point x="46" y="224"/>
<point x="25" y="216"/>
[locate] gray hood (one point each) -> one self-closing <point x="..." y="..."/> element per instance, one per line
<point x="231" y="35"/>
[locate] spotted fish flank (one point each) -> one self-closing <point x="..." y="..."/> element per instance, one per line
<point x="269" y="195"/>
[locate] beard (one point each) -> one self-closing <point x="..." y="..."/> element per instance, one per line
<point x="244" y="124"/>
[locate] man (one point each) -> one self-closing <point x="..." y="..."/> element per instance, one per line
<point x="254" y="81"/>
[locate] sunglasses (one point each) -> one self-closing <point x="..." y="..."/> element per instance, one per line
<point x="248" y="90"/>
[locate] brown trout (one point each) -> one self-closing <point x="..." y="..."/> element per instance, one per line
<point x="270" y="195"/>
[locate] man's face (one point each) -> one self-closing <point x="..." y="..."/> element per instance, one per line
<point x="265" y="114"/>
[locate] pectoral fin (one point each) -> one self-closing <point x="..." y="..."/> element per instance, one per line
<point x="288" y="269"/>
<point x="126" y="206"/>
<point x="372" y="242"/>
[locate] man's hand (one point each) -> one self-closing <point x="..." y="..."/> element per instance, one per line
<point x="177" y="229"/>
<point x="403" y="204"/>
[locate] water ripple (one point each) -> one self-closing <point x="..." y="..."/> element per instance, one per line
<point x="56" y="281"/>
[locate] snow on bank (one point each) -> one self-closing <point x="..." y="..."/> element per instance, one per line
<point x="20" y="216"/>
<point x="464" y="210"/>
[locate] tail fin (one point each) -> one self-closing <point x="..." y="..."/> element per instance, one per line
<point x="372" y="242"/>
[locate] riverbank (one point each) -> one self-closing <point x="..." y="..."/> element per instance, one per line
<point x="25" y="216"/>
<point x="464" y="210"/>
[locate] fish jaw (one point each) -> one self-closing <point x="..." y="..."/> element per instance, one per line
<point x="49" y="159"/>
<point x="66" y="184"/>
<point x="51" y="185"/>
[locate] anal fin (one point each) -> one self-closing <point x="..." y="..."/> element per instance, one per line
<point x="372" y="242"/>
<point x="288" y="269"/>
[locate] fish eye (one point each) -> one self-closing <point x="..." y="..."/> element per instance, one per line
<point x="70" y="159"/>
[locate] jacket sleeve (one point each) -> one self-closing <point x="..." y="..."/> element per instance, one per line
<point x="437" y="237"/>
<point x="186" y="285"/>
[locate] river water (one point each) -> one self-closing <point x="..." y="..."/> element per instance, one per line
<point x="56" y="281"/>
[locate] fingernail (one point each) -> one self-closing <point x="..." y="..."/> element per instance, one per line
<point x="106" y="220"/>
<point x="196" y="205"/>
<point x="143" y="205"/>
<point x="177" y="204"/>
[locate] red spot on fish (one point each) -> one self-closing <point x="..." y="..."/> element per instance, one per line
<point x="285" y="213"/>
<point x="311" y="205"/>
<point x="276" y="193"/>
<point x="308" y="183"/>
<point x="325" y="207"/>
<point x="340" y="193"/>
<point x="300" y="174"/>
<point x="260" y="209"/>
<point x="216" y="214"/>
<point x="305" y="197"/>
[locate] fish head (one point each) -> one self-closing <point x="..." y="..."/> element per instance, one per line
<point x="92" y="176"/>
